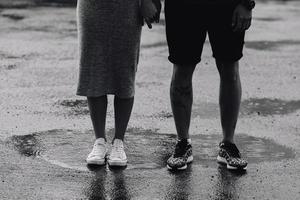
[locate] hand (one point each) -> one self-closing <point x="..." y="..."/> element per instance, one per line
<point x="241" y="19"/>
<point x="158" y="6"/>
<point x="148" y="12"/>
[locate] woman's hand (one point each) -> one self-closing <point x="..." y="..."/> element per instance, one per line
<point x="148" y="12"/>
<point x="241" y="19"/>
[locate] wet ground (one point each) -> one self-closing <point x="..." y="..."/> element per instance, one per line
<point x="45" y="131"/>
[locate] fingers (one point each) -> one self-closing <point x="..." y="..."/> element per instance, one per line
<point x="152" y="19"/>
<point x="151" y="14"/>
<point x="241" y="24"/>
<point x="157" y="17"/>
<point x="238" y="25"/>
<point x="234" y="19"/>
<point x="148" y="22"/>
<point x="248" y="24"/>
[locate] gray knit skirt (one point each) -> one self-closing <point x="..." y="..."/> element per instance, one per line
<point x="109" y="41"/>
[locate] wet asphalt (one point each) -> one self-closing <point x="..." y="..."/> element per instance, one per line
<point x="45" y="131"/>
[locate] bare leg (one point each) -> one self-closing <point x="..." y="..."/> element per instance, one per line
<point x="98" y="109"/>
<point x="181" y="94"/>
<point x="230" y="97"/>
<point x="123" y="108"/>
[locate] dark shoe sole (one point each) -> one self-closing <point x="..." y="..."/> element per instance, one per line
<point x="189" y="160"/>
<point x="223" y="161"/>
<point x="113" y="163"/>
<point x="96" y="162"/>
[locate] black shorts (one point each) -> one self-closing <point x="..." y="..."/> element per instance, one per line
<point x="186" y="28"/>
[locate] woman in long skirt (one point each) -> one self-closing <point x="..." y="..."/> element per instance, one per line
<point x="109" y="42"/>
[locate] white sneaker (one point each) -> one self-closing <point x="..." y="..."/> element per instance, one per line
<point x="98" y="154"/>
<point x="117" y="155"/>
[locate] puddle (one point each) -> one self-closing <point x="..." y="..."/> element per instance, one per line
<point x="7" y="55"/>
<point x="146" y="149"/>
<point x="58" y="31"/>
<point x="154" y="45"/>
<point x="270" y="45"/>
<point x="57" y="2"/>
<point x="26" y="145"/>
<point x="14" y="17"/>
<point x="253" y="106"/>
<point x="267" y="19"/>
<point x="21" y="4"/>
<point x="8" y="66"/>
<point x="267" y="106"/>
<point x="148" y="84"/>
<point x="73" y="103"/>
<point x="74" y="107"/>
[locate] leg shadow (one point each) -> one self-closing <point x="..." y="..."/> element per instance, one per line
<point x="108" y="183"/>
<point x="119" y="189"/>
<point x="97" y="187"/>
<point x="226" y="188"/>
<point x="180" y="186"/>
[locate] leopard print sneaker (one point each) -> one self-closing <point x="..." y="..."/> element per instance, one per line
<point x="231" y="156"/>
<point x="181" y="157"/>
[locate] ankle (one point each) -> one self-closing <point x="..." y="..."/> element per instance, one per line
<point x="226" y="140"/>
<point x="189" y="140"/>
<point x="100" y="139"/>
<point x="118" y="138"/>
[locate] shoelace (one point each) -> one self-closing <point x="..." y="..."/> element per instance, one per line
<point x="117" y="150"/>
<point x="180" y="148"/>
<point x="232" y="150"/>
<point x="98" y="148"/>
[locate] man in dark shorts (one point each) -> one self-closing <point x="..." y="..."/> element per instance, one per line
<point x="187" y="23"/>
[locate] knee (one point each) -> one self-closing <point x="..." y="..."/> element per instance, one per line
<point x="181" y="85"/>
<point x="181" y="90"/>
<point x="230" y="77"/>
<point x="229" y="72"/>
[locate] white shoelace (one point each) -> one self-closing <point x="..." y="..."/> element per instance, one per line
<point x="98" y="149"/>
<point x="117" y="151"/>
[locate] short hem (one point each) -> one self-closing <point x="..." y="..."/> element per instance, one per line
<point x="105" y="93"/>
<point x="232" y="59"/>
<point x="182" y="62"/>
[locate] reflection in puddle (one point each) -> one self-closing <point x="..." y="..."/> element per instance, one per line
<point x="180" y="186"/>
<point x="115" y="179"/>
<point x="146" y="149"/>
<point x="96" y="189"/>
<point x="226" y="186"/>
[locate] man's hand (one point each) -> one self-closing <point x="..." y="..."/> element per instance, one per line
<point x="241" y="19"/>
<point x="148" y="11"/>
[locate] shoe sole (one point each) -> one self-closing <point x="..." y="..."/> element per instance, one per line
<point x="223" y="161"/>
<point x="189" y="160"/>
<point x="96" y="162"/>
<point x="117" y="163"/>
